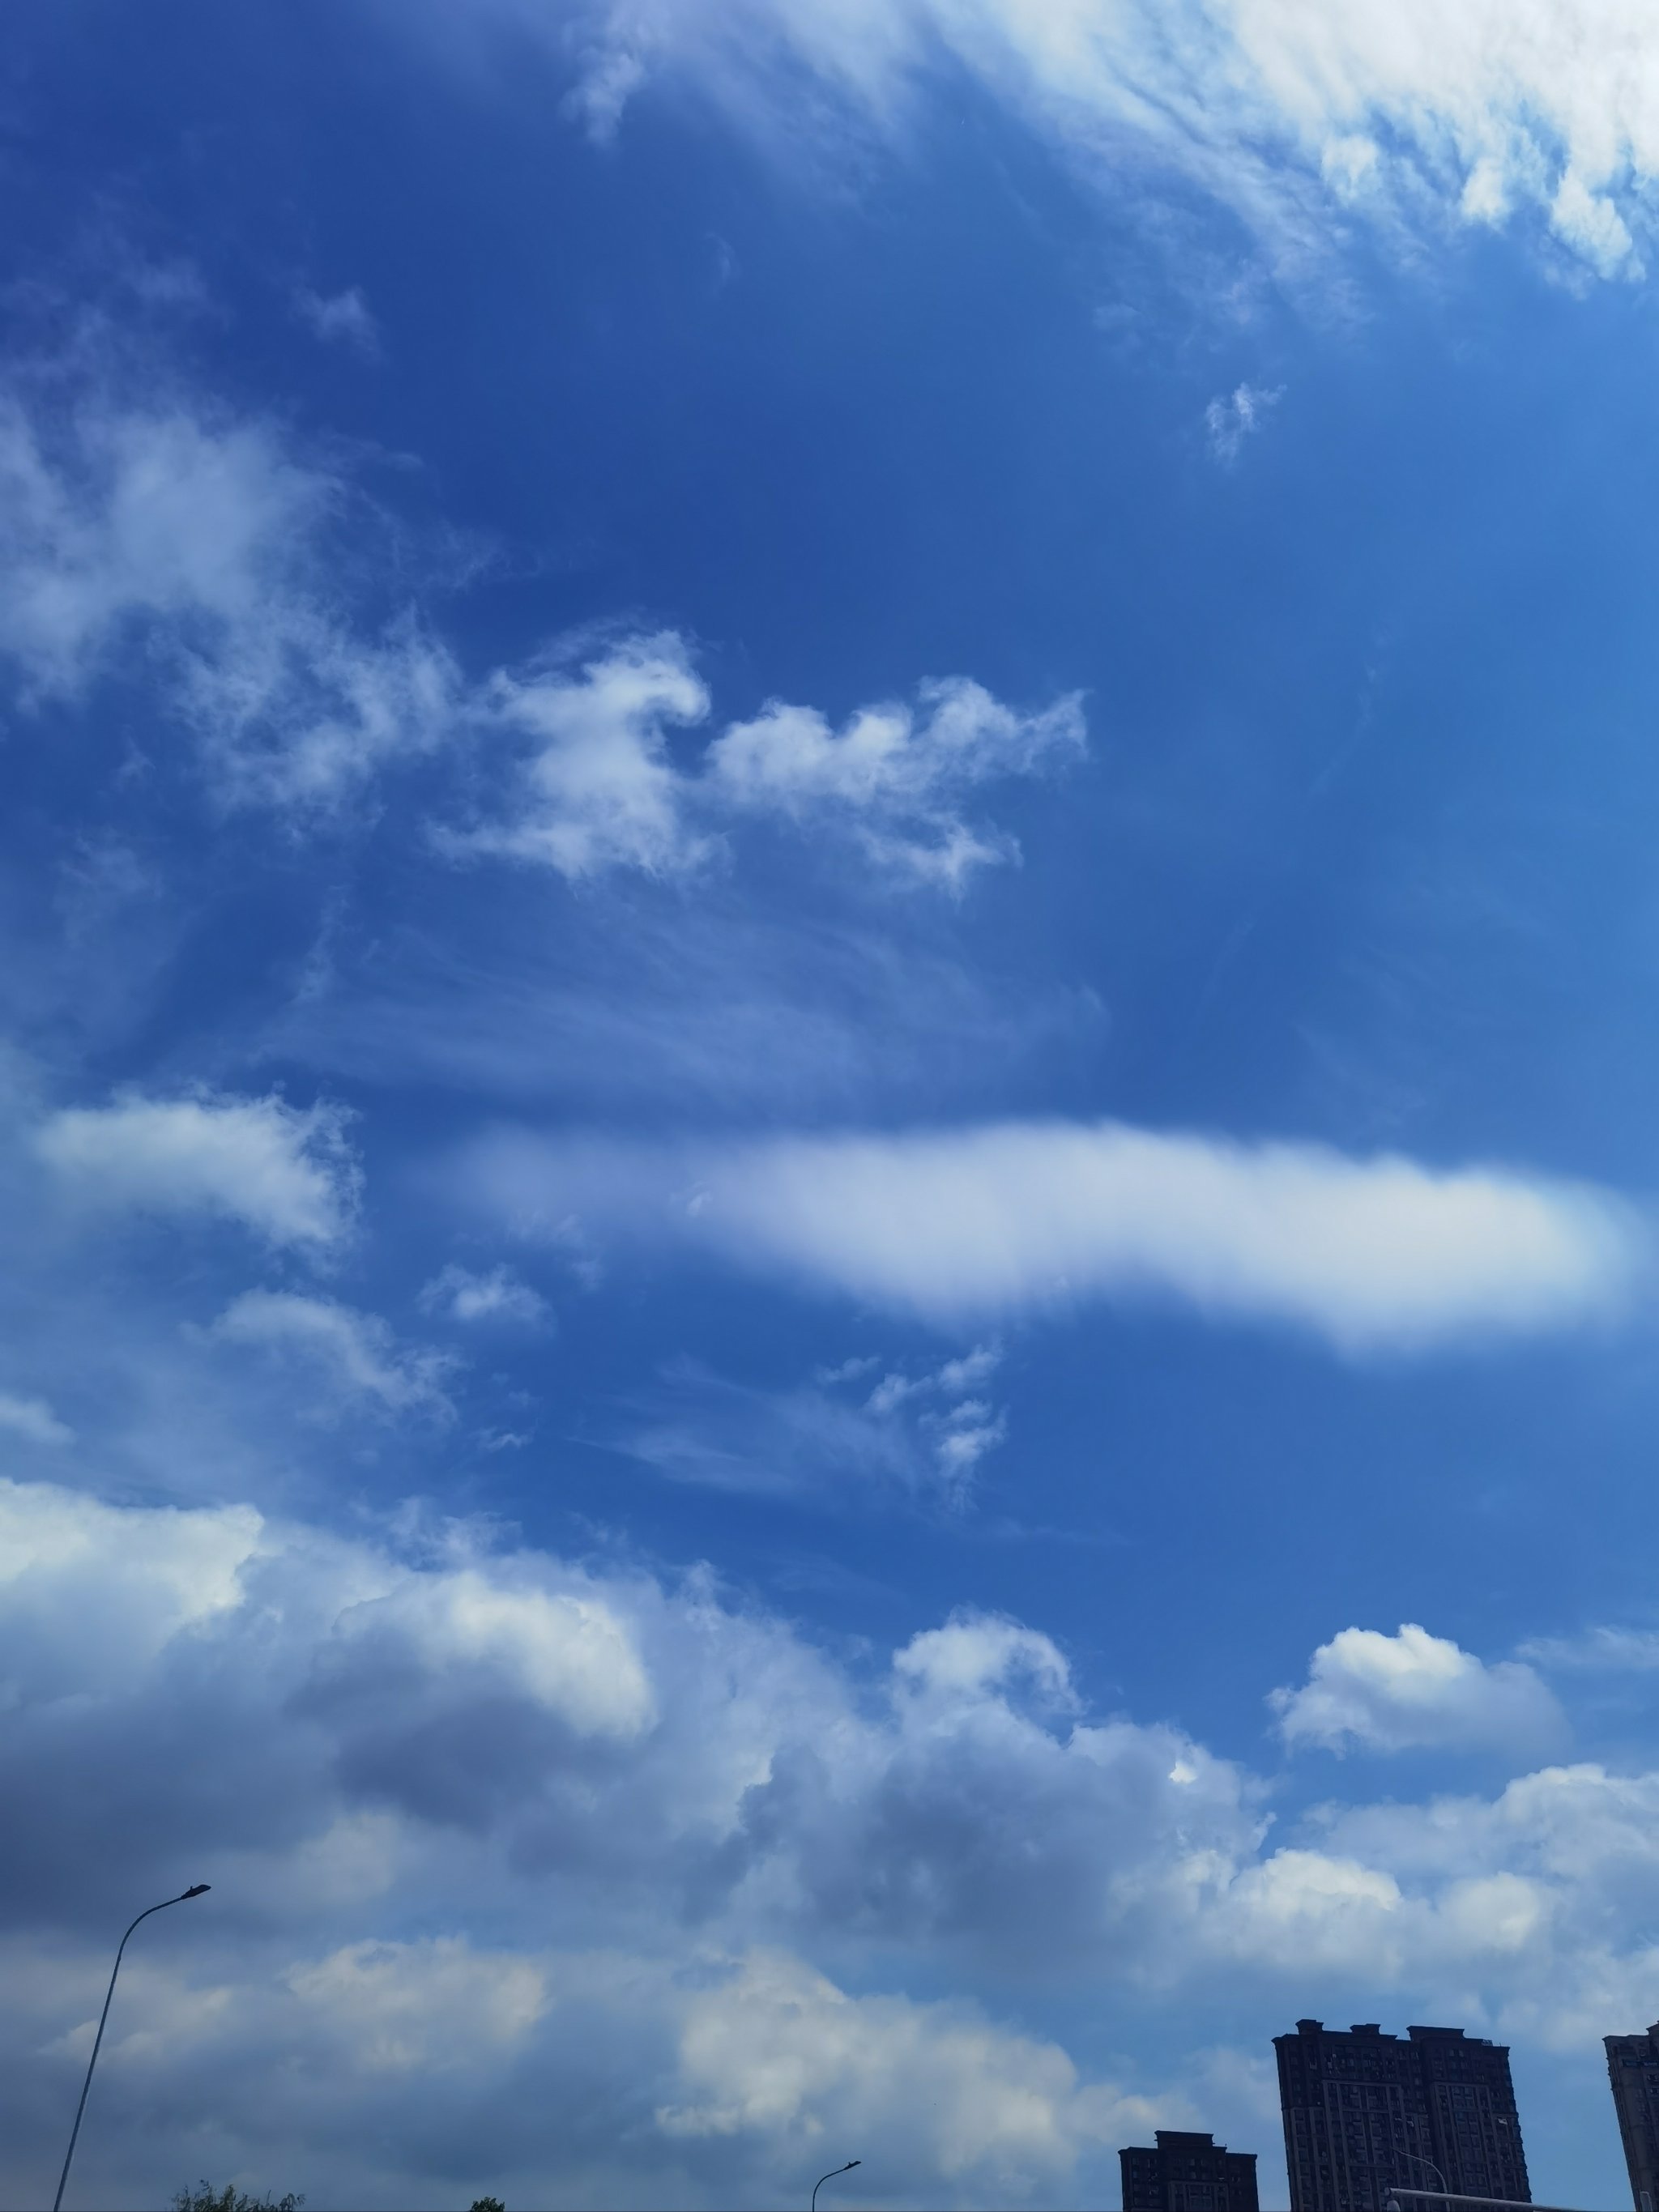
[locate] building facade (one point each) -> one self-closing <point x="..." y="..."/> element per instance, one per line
<point x="1633" y="2071"/>
<point x="1188" y="2173"/>
<point x="1364" y="2111"/>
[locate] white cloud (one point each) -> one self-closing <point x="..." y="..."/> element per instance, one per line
<point x="1611" y="1650"/>
<point x="1414" y="1691"/>
<point x="33" y="1420"/>
<point x="511" y="1822"/>
<point x="956" y="1226"/>
<point x="1235" y="416"/>
<point x="898" y="776"/>
<point x="338" y="318"/>
<point x="922" y="1433"/>
<point x="778" y="2050"/>
<point x="497" y="1296"/>
<point x="601" y="787"/>
<point x="126" y="514"/>
<point x="88" y="1592"/>
<point x="423" y="2007"/>
<point x="168" y="538"/>
<point x="567" y="1652"/>
<point x="207" y="557"/>
<point x="283" y="1171"/>
<point x="1305" y="116"/>
<point x="977" y="1653"/>
<point x="645" y="1735"/>
<point x="298" y="713"/>
<point x="355" y="1353"/>
<point x="960" y="1427"/>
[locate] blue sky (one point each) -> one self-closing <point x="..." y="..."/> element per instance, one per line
<point x="828" y="948"/>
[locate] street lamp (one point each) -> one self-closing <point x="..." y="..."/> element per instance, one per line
<point x="196" y="1889"/>
<point x="817" y="2185"/>
<point x="1427" y="2164"/>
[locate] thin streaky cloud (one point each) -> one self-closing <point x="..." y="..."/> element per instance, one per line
<point x="1414" y="121"/>
<point x="1373" y="1254"/>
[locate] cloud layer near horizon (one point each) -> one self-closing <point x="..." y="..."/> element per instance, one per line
<point x="958" y="1225"/>
<point x="477" y="1818"/>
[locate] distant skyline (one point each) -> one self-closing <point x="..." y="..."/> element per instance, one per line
<point x="827" y="1074"/>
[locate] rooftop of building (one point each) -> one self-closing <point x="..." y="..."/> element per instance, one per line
<point x="1417" y="2033"/>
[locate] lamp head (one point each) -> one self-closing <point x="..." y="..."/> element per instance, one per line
<point x="197" y="1889"/>
<point x="851" y="2163"/>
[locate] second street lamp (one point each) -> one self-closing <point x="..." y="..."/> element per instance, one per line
<point x="196" y="1889"/>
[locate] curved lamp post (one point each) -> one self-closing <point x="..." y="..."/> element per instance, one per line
<point x="1427" y="2164"/>
<point x="197" y="1889"/>
<point x="817" y="2185"/>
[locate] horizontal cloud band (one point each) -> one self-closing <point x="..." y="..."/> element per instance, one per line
<point x="957" y="1225"/>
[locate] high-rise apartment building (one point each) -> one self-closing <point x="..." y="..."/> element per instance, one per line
<point x="1188" y="2173"/>
<point x="1633" y="2071"/>
<point x="1364" y="2111"/>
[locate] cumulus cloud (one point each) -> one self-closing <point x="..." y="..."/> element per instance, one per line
<point x="1414" y="1691"/>
<point x="613" y="1810"/>
<point x="778" y="2048"/>
<point x="157" y="1575"/>
<point x="285" y="1172"/>
<point x="497" y="1295"/>
<point x="957" y="1225"/>
<point x="510" y="1821"/>
<point x="896" y="774"/>
<point x="566" y="1653"/>
<point x="635" y="1734"/>
<point x="1303" y="118"/>
<point x="601" y="786"/>
<point x="354" y="1355"/>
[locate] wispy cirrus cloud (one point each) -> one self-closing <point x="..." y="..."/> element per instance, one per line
<point x="863" y="1422"/>
<point x="157" y="534"/>
<point x="495" y="1295"/>
<point x="1379" y="1254"/>
<point x="1597" y="1650"/>
<point x="203" y="555"/>
<point x="339" y="318"/>
<point x="1306" y="121"/>
<point x="1233" y="417"/>
<point x="355" y="1356"/>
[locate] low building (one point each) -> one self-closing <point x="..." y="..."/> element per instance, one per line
<point x="1187" y="2173"/>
